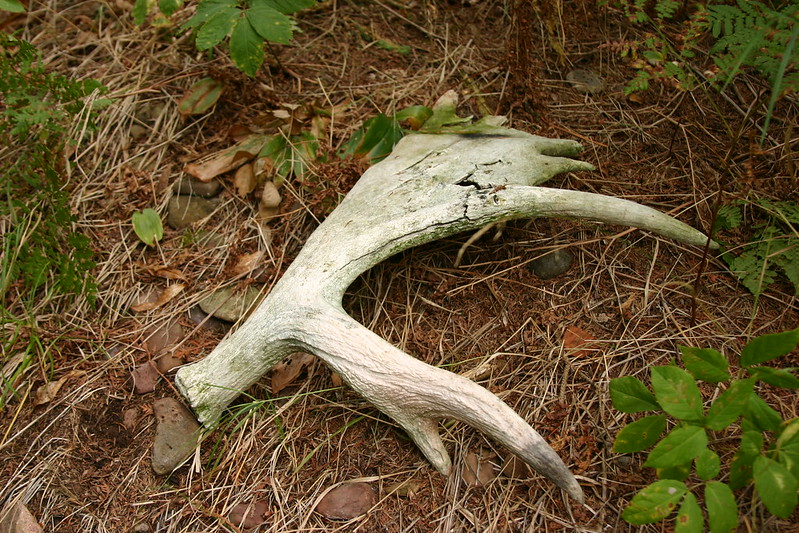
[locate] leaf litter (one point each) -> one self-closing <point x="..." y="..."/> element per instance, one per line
<point x="445" y="316"/>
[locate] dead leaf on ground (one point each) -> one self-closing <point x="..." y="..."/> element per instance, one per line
<point x="211" y="166"/>
<point x="249" y="515"/>
<point x="405" y="489"/>
<point x="285" y="372"/>
<point x="247" y="263"/>
<point x="244" y="180"/>
<point x="578" y="341"/>
<point x="346" y="502"/>
<point x="477" y="469"/>
<point x="165" y="296"/>
<point x="47" y="392"/>
<point x="162" y="271"/>
<point x="200" y="97"/>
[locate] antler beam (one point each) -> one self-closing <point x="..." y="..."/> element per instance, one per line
<point x="431" y="186"/>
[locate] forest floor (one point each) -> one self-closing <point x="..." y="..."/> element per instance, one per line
<point x="81" y="460"/>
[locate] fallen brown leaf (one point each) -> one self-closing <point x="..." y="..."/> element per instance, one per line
<point x="477" y="470"/>
<point x="247" y="263"/>
<point x="226" y="160"/>
<point x="165" y="296"/>
<point x="578" y="341"/>
<point x="285" y="372"/>
<point x="347" y="501"/>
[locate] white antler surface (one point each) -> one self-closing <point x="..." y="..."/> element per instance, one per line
<point x="431" y="186"/>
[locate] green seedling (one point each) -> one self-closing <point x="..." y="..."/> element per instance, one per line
<point x="767" y="457"/>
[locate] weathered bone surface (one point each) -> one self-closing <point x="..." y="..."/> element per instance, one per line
<point x="431" y="186"/>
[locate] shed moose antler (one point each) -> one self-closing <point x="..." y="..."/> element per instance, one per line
<point x="431" y="186"/>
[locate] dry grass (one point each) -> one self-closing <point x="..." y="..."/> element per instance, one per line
<point x="78" y="468"/>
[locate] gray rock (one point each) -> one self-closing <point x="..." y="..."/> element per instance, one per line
<point x="176" y="435"/>
<point x="200" y="317"/>
<point x="585" y="81"/>
<point x="189" y="185"/>
<point x="186" y="210"/>
<point x="145" y="376"/>
<point x="17" y="519"/>
<point x="551" y="265"/>
<point x="230" y="304"/>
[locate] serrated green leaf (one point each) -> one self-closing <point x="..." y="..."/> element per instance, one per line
<point x="218" y="26"/>
<point x="708" y="464"/>
<point x="722" y="511"/>
<point x="677" y="393"/>
<point x="655" y="502"/>
<point x="689" y="517"/>
<point x="629" y="395"/>
<point x="768" y="347"/>
<point x="761" y="415"/>
<point x="680" y="446"/>
<point x="729" y="405"/>
<point x="200" y="97"/>
<point x="640" y="435"/>
<point x="12" y="6"/>
<point x="269" y="23"/>
<point x="291" y="6"/>
<point x="375" y="140"/>
<point x="207" y="9"/>
<point x="169" y="7"/>
<point x="787" y="446"/>
<point x="140" y="10"/>
<point x="776" y="486"/>
<point x="148" y="227"/>
<point x="246" y="47"/>
<point x="705" y="364"/>
<point x="779" y="377"/>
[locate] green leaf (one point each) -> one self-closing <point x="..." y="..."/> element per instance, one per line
<point x="776" y="486"/>
<point x="680" y="446"/>
<point x="140" y="10"/>
<point x="722" y="511"/>
<point x="200" y="97"/>
<point x="787" y="446"/>
<point x="13" y="6"/>
<point x="744" y="458"/>
<point x="629" y="395"/>
<point x="708" y="464"/>
<point x="218" y="26"/>
<point x="640" y="435"/>
<point x="207" y="9"/>
<point x="729" y="405"/>
<point x="761" y="415"/>
<point x="677" y="393"/>
<point x="705" y="364"/>
<point x="147" y="225"/>
<point x="375" y="140"/>
<point x="269" y="23"/>
<point x="689" y="517"/>
<point x="169" y="7"/>
<point x="679" y="472"/>
<point x="246" y="47"/>
<point x="779" y="377"/>
<point x="415" y="115"/>
<point x="655" y="502"/>
<point x="768" y="347"/>
<point x="291" y="6"/>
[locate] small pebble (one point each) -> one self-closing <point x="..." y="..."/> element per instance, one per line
<point x="176" y="435"/>
<point x="585" y="81"/>
<point x="551" y="265"/>
<point x="145" y="377"/>
<point x="189" y="185"/>
<point x="230" y="304"/>
<point x="186" y="210"/>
